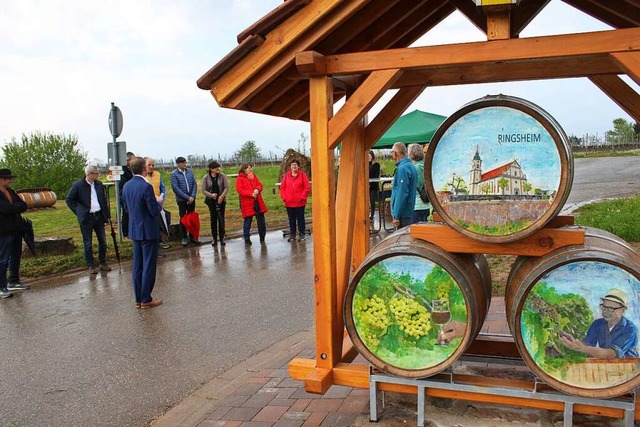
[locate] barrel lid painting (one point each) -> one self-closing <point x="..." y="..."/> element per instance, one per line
<point x="498" y="169"/>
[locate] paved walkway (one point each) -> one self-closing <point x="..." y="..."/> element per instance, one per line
<point x="259" y="392"/>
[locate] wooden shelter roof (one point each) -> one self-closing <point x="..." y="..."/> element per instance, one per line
<point x="261" y="75"/>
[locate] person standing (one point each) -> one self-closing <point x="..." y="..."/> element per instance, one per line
<point x="11" y="227"/>
<point x="215" y="187"/>
<point x="294" y="191"/>
<point x="374" y="187"/>
<point x="421" y="210"/>
<point x="144" y="226"/>
<point x="87" y="199"/>
<point x="183" y="184"/>
<point x="403" y="192"/>
<point x="124" y="178"/>
<point x="155" y="179"/>
<point x="252" y="204"/>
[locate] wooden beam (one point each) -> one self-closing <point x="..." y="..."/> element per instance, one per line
<point x="630" y="61"/>
<point x="498" y="24"/>
<point x="318" y="381"/>
<point x="511" y="71"/>
<point x="274" y="18"/>
<point x="522" y="15"/>
<point x="313" y="22"/>
<point x="357" y="106"/>
<point x="452" y="55"/>
<point x="473" y="13"/>
<point x="362" y="225"/>
<point x="620" y="92"/>
<point x="310" y="63"/>
<point x="323" y="214"/>
<point x="390" y="113"/>
<point x="618" y="14"/>
<point x="540" y="243"/>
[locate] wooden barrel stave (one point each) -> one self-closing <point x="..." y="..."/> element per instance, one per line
<point x="469" y="293"/>
<point x="581" y="274"/>
<point x="488" y="211"/>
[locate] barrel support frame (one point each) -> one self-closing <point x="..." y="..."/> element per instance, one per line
<point x="442" y="383"/>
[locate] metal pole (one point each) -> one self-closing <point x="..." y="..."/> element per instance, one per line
<point x="115" y="161"/>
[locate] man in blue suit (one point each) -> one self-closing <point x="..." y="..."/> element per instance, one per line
<point x="144" y="230"/>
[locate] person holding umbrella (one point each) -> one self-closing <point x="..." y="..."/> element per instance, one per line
<point x="11" y="227"/>
<point x="144" y="229"/>
<point x="88" y="201"/>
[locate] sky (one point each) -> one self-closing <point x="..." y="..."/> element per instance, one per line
<point x="62" y="64"/>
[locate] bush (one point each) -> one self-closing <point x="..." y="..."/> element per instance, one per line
<point x="44" y="160"/>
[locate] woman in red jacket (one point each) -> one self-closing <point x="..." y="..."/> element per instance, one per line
<point x="249" y="189"/>
<point x="294" y="190"/>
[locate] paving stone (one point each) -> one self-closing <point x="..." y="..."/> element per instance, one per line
<point x="218" y="413"/>
<point x="241" y="414"/>
<point x="328" y="405"/>
<point x="233" y="400"/>
<point x="337" y="392"/>
<point x="339" y="419"/>
<point x="288" y="423"/>
<point x="282" y="402"/>
<point x="247" y="389"/>
<point x="258" y="380"/>
<point x="290" y="382"/>
<point x="354" y="404"/>
<point x="301" y="393"/>
<point x="300" y="405"/>
<point x="285" y="392"/>
<point x="256" y="424"/>
<point x="270" y="413"/>
<point x="279" y="373"/>
<point x="290" y="415"/>
<point x="315" y="419"/>
<point x="259" y="400"/>
<point x="359" y="392"/>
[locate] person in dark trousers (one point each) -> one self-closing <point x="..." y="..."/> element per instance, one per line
<point x="88" y="201"/>
<point x="294" y="191"/>
<point x="374" y="187"/>
<point x="144" y="225"/>
<point x="183" y="184"/>
<point x="11" y="227"/>
<point x="403" y="192"/>
<point x="215" y="187"/>
<point x="124" y="178"/>
<point x="252" y="204"/>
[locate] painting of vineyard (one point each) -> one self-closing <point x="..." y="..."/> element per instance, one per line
<point x="401" y="309"/>
<point x="562" y="307"/>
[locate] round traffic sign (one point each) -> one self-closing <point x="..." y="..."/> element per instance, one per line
<point x="115" y="121"/>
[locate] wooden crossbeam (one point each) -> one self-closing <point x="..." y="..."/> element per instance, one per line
<point x="630" y="61"/>
<point x="620" y="92"/>
<point x="454" y="55"/>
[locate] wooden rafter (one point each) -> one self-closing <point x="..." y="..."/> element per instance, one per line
<point x="618" y="14"/>
<point x="548" y="48"/>
<point x="524" y="14"/>
<point x="630" y="61"/>
<point x="620" y="92"/>
<point x="473" y="13"/>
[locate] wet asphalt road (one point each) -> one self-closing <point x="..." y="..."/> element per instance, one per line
<point x="75" y="351"/>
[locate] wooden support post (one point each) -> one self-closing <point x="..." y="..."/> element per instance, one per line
<point x="324" y="243"/>
<point x="498" y="22"/>
<point x="362" y="224"/>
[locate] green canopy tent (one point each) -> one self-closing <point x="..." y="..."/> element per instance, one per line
<point x="417" y="126"/>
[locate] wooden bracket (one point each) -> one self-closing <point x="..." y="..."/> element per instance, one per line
<point x="310" y="63"/>
<point x="319" y="381"/>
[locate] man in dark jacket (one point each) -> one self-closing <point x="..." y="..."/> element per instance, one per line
<point x="88" y="201"/>
<point x="183" y="184"/>
<point x="11" y="227"/>
<point x="124" y="178"/>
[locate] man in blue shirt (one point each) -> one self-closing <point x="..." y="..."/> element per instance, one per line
<point x="403" y="192"/>
<point x="612" y="336"/>
<point x="183" y="184"/>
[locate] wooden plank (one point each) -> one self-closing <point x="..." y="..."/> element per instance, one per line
<point x="310" y="63"/>
<point x="274" y="18"/>
<point x="614" y="13"/>
<point x="319" y="381"/>
<point x="499" y="25"/>
<point x="526" y="49"/>
<point x="522" y="15"/>
<point x="350" y="162"/>
<point x="540" y="243"/>
<point x="357" y="106"/>
<point x="492" y="347"/>
<point x="473" y="13"/>
<point x="230" y="59"/>
<point x="277" y="53"/>
<point x="361" y="240"/>
<point x="620" y="92"/>
<point x="630" y="61"/>
<point x="323" y="214"/>
<point x="390" y="113"/>
<point x="511" y="71"/>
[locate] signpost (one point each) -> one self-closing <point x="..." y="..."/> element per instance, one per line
<point x="115" y="127"/>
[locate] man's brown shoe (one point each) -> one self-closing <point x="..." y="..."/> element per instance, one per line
<point x="138" y="305"/>
<point x="151" y="304"/>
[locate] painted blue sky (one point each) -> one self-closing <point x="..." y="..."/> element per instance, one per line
<point x="479" y="128"/>
<point x="62" y="63"/>
<point x="418" y="268"/>
<point x="593" y="280"/>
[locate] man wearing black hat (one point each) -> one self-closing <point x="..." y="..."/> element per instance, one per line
<point x="11" y="227"/>
<point x="88" y="201"/>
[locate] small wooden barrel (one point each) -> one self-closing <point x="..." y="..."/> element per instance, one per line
<point x="38" y="197"/>
<point x="556" y="315"/>
<point x="412" y="309"/>
<point x="498" y="169"/>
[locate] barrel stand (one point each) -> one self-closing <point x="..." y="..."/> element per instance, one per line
<point x="446" y="382"/>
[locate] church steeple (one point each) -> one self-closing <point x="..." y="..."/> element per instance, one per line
<point x="475" y="173"/>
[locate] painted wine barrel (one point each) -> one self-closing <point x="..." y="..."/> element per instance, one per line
<point x="412" y="309"/>
<point x="498" y="169"/>
<point x="574" y="315"/>
<point x="38" y="197"/>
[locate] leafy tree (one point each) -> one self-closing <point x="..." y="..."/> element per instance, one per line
<point x="457" y="185"/>
<point x="623" y="132"/>
<point x="43" y="159"/>
<point x="248" y="153"/>
<point x="503" y="183"/>
<point x="527" y="187"/>
<point x="485" y="188"/>
<point x="574" y="140"/>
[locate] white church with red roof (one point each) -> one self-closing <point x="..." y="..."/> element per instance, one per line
<point x="489" y="182"/>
